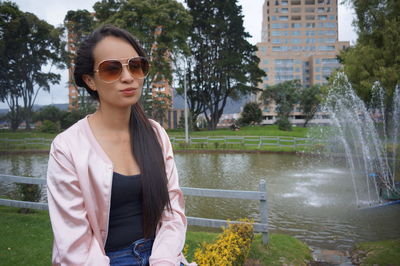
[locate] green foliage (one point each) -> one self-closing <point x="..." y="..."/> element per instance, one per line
<point x="377" y="253"/>
<point x="49" y="127"/>
<point x="70" y="118"/>
<point x="376" y="55"/>
<point x="283" y="123"/>
<point x="285" y="95"/>
<point x="310" y="98"/>
<point x="26" y="45"/>
<point x="29" y="192"/>
<point x="50" y="113"/>
<point x="251" y="114"/>
<point x="161" y="26"/>
<point x="223" y="63"/>
<point x="281" y="250"/>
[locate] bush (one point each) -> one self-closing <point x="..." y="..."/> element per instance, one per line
<point x="231" y="247"/>
<point x="49" y="127"/>
<point x="284" y="124"/>
<point x="29" y="192"/>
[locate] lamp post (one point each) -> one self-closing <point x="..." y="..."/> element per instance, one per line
<point x="186" y="107"/>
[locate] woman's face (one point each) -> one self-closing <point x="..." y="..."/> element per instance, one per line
<point x="126" y="90"/>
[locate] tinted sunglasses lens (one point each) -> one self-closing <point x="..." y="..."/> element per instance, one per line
<point x="139" y="67"/>
<point x="110" y="70"/>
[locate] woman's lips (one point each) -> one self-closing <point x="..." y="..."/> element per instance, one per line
<point x="128" y="91"/>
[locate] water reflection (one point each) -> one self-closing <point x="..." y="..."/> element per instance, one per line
<point x="309" y="198"/>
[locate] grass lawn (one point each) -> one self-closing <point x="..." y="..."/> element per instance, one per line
<point x="270" y="130"/>
<point x="250" y="131"/>
<point x="26" y="239"/>
<point x="377" y="253"/>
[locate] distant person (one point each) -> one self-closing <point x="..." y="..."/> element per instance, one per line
<point x="113" y="191"/>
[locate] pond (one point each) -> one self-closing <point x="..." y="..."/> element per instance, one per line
<point x="309" y="198"/>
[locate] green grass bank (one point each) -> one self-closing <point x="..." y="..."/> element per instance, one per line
<point x="27" y="240"/>
<point x="37" y="141"/>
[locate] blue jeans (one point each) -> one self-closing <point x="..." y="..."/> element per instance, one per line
<point x="137" y="254"/>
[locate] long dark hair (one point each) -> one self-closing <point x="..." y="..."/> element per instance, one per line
<point x="144" y="143"/>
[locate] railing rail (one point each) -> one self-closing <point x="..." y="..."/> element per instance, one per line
<point x="260" y="195"/>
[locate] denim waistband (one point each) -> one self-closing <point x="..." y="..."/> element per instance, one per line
<point x="140" y="243"/>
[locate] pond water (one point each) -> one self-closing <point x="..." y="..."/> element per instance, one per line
<point x="309" y="198"/>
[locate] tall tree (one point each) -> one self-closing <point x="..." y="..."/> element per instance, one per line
<point x="376" y="55"/>
<point x="309" y="101"/>
<point x="28" y="44"/>
<point x="79" y="24"/>
<point x="224" y="62"/>
<point x="285" y="95"/>
<point x="251" y="114"/>
<point x="161" y="26"/>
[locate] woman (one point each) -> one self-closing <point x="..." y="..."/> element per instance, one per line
<point x="113" y="190"/>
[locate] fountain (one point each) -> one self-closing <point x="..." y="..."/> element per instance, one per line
<point x="361" y="134"/>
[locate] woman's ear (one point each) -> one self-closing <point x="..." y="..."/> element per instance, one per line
<point x="89" y="81"/>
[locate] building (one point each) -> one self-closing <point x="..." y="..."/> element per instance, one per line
<point x="299" y="41"/>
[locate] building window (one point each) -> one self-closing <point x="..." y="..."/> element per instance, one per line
<point x="284" y="2"/>
<point x="317" y="69"/>
<point x="317" y="61"/>
<point x="322" y="17"/>
<point x="296" y="10"/>
<point x="320" y="10"/>
<point x="310" y="33"/>
<point x="283" y="18"/>
<point x="284" y="10"/>
<point x="332" y="17"/>
<point x="310" y="25"/>
<point x="273" y="18"/>
<point x="296" y="33"/>
<point x="279" y="25"/>
<point x="296" y="41"/>
<point x="329" y="24"/>
<point x="265" y="61"/>
<point x="310" y="17"/>
<point x="330" y="61"/>
<point x="326" y="48"/>
<point x="263" y="49"/>
<point x="296" y="25"/>
<point x="309" y="9"/>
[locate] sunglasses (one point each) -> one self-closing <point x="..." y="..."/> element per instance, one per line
<point x="111" y="70"/>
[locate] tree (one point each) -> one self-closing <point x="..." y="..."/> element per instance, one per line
<point x="376" y="55"/>
<point x="79" y="24"/>
<point x="161" y="26"/>
<point x="50" y="113"/>
<point x="223" y="64"/>
<point x="310" y="98"/>
<point x="251" y="114"/>
<point x="285" y="95"/>
<point x="27" y="45"/>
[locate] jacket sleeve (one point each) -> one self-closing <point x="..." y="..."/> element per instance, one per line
<point x="74" y="242"/>
<point x="170" y="236"/>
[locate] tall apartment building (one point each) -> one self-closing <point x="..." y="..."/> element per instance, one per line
<point x="299" y="41"/>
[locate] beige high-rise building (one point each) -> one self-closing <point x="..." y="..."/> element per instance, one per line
<point x="299" y="41"/>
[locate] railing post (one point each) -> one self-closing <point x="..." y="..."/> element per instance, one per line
<point x="264" y="210"/>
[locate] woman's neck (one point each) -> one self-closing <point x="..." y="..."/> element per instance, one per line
<point x="113" y="119"/>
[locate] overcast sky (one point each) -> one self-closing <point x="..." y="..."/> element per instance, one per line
<point x="54" y="11"/>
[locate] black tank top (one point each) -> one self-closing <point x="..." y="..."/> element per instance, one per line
<point x="126" y="212"/>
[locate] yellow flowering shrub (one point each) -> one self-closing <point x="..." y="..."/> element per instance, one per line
<point x="231" y="247"/>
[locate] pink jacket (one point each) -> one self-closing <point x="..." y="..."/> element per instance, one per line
<point x="79" y="178"/>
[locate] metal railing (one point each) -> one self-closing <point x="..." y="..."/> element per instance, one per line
<point x="258" y="141"/>
<point x="260" y="195"/>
